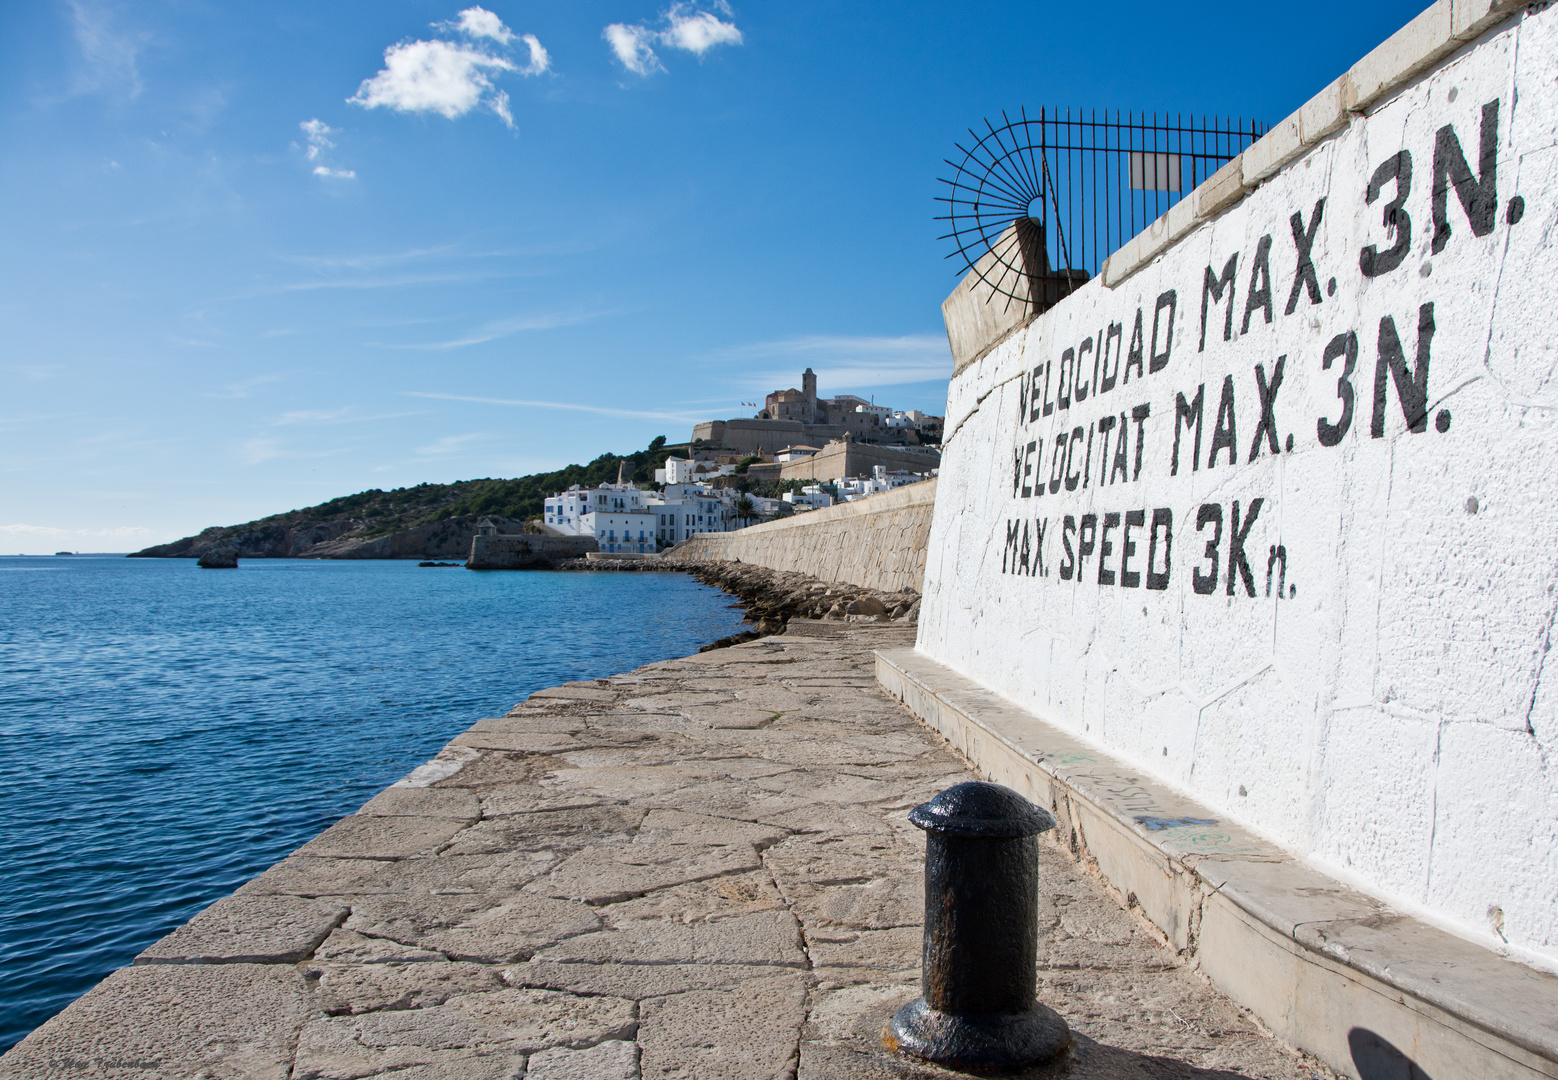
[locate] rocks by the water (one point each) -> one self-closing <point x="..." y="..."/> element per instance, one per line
<point x="773" y="597"/>
<point x="454" y="564"/>
<point x="618" y="564"/>
<point x="223" y="558"/>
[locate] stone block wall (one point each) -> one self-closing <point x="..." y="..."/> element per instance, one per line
<point x="1268" y="507"/>
<point x="529" y="551"/>
<point x="876" y="543"/>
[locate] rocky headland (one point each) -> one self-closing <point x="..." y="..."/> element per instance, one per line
<point x="343" y="538"/>
<point x="427" y="521"/>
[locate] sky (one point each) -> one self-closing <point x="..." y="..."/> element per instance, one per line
<point x="255" y="256"/>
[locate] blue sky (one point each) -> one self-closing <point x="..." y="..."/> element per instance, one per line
<point x="258" y="255"/>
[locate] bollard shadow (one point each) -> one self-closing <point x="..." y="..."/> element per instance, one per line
<point x="1376" y="1058"/>
<point x="1089" y="1059"/>
<point x="1086" y="1060"/>
<point x="866" y="1057"/>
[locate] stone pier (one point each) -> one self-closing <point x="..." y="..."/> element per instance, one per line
<point x="702" y="868"/>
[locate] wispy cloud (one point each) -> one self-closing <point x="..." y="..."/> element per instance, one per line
<point x="243" y="388"/>
<point x="318" y="133"/>
<point x="110" y="53"/>
<point x="452" y="78"/>
<point x="389" y="281"/>
<point x="502" y="328"/>
<point x="346" y="414"/>
<point x="478" y="22"/>
<point x="449" y="444"/>
<point x="565" y="406"/>
<point x="260" y="449"/>
<point x="633" y="47"/>
<point x="121" y="532"/>
<point x="373" y="261"/>
<point x="848" y="362"/>
<point x="8" y="422"/>
<point x="684" y="25"/>
<point x="35" y="372"/>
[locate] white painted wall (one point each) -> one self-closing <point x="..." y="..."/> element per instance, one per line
<point x="1392" y="717"/>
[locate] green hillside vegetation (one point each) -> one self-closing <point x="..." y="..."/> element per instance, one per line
<point x="385" y="512"/>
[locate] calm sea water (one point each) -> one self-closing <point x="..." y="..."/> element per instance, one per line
<point x="168" y="732"/>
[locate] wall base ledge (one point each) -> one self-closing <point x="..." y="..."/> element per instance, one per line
<point x="1332" y="971"/>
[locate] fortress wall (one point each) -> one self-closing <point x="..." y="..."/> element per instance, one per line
<point x="876" y="543"/>
<point x="1269" y="507"/>
<point x="528" y="551"/>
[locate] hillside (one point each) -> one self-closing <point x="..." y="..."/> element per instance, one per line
<point x="432" y="521"/>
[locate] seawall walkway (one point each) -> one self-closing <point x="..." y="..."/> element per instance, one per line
<point x="702" y="868"/>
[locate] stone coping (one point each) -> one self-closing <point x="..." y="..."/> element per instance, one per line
<point x="1325" y="966"/>
<point x="975" y="326"/>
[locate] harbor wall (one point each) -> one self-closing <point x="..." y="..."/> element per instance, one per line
<point x="528" y="551"/>
<point x="1267" y="507"/>
<point x="876" y="543"/>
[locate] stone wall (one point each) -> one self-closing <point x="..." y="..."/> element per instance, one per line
<point x="531" y="551"/>
<point x="1267" y="508"/>
<point x="841" y="459"/>
<point x="877" y="543"/>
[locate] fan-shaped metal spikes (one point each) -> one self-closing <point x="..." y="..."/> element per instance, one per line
<point x="1001" y="200"/>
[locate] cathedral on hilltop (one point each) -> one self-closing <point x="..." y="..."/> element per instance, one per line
<point x="799" y="417"/>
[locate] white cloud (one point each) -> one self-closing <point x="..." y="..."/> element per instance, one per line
<point x="632" y="46"/>
<point x="318" y="133"/>
<point x="698" y="31"/>
<point x="478" y="22"/>
<point x="451" y="78"/>
<point x="432" y="76"/>
<point x="540" y="59"/>
<point x="687" y="27"/>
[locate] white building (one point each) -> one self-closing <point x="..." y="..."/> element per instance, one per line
<point x="881" y="479"/>
<point x="688" y="510"/>
<point x="566" y="512"/>
<point x="624" y="530"/>
<point x="623" y="517"/>
<point x="684" y="471"/>
<point x="881" y="412"/>
<point x="810" y="497"/>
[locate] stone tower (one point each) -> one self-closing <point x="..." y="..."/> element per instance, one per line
<point x="809" y="390"/>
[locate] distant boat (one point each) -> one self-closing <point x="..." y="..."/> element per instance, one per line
<point x="57" y="554"/>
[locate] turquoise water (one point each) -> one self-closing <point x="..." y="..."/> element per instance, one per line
<point x="167" y="732"/>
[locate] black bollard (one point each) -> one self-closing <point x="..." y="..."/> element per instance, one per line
<point x="981" y="935"/>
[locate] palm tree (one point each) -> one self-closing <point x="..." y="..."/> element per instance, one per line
<point x="746" y="510"/>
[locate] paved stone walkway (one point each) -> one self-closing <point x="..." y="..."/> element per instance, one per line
<point x="700" y="869"/>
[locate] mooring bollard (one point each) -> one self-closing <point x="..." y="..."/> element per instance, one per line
<point x="981" y="935"/>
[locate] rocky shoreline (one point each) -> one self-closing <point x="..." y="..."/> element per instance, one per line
<point x="773" y="597"/>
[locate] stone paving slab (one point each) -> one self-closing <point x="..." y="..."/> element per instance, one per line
<point x="702" y="868"/>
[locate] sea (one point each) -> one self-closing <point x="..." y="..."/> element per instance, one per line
<point x="167" y="732"/>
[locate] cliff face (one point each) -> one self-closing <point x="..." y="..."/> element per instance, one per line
<point x="446" y="539"/>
